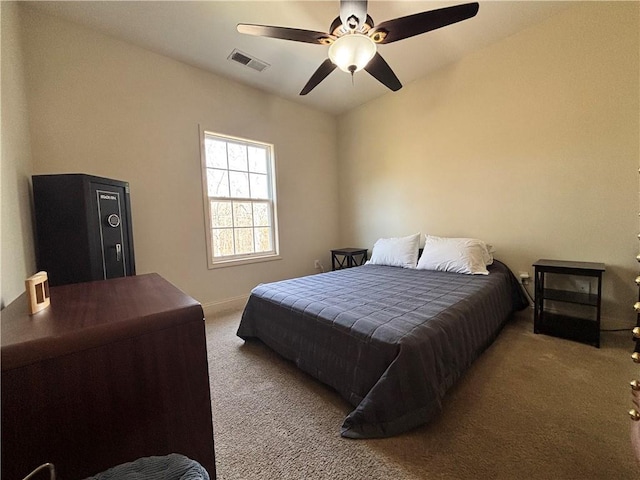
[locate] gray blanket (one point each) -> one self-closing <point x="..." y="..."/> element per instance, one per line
<point x="168" y="467"/>
<point x="390" y="340"/>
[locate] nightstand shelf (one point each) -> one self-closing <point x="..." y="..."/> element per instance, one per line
<point x="583" y="324"/>
<point x="571" y="297"/>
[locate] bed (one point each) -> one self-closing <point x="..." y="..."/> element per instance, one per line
<point x="389" y="340"/>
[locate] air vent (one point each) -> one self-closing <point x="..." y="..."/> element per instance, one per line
<point x="247" y="60"/>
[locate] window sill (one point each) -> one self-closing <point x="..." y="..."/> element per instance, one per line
<point x="242" y="261"/>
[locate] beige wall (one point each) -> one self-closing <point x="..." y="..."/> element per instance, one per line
<point x="17" y="258"/>
<point x="104" y="107"/>
<point x="531" y="144"/>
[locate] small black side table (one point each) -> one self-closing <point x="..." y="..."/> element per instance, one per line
<point x="348" y="257"/>
<point x="580" y="327"/>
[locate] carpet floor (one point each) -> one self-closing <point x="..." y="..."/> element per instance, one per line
<point x="531" y="407"/>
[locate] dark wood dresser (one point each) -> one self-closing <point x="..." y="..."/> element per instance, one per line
<point x="112" y="371"/>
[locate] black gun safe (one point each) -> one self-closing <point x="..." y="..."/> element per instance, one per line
<point x="83" y="228"/>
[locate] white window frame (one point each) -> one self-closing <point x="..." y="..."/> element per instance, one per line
<point x="243" y="258"/>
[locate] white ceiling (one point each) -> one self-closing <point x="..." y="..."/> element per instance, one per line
<point x="204" y="33"/>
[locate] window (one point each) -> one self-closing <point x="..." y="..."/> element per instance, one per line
<point x="239" y="183"/>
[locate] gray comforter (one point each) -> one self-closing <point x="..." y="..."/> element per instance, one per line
<point x="390" y="340"/>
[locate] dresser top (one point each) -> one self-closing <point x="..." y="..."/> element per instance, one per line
<point x="86" y="315"/>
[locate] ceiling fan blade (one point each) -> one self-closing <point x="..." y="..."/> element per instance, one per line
<point x="285" y="33"/>
<point x="320" y="74"/>
<point x="381" y="71"/>
<point x="405" y="27"/>
<point x="353" y="13"/>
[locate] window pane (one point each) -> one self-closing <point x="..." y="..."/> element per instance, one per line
<point x="258" y="159"/>
<point x="244" y="240"/>
<point x="239" y="184"/>
<point x="263" y="239"/>
<point x="215" y="153"/>
<point x="222" y="242"/>
<point x="221" y="214"/>
<point x="261" y="217"/>
<point x="237" y="157"/>
<point x="239" y="198"/>
<point x="259" y="185"/>
<point x="217" y="183"/>
<point x="242" y="214"/>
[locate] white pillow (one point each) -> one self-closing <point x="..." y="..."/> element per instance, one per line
<point x="396" y="252"/>
<point x="490" y="252"/>
<point x="460" y="255"/>
<point x="487" y="249"/>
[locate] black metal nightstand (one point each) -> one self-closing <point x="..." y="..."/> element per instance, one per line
<point x="580" y="326"/>
<point x="348" y="257"/>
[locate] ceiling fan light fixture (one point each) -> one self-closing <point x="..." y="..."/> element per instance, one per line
<point x="352" y="52"/>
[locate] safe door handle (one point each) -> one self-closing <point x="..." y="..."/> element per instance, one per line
<point x="118" y="252"/>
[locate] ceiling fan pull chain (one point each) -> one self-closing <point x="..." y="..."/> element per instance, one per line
<point x="352" y="70"/>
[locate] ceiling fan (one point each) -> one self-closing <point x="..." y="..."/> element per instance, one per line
<point x="353" y="38"/>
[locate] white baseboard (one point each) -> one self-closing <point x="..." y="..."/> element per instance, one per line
<point x="227" y="305"/>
